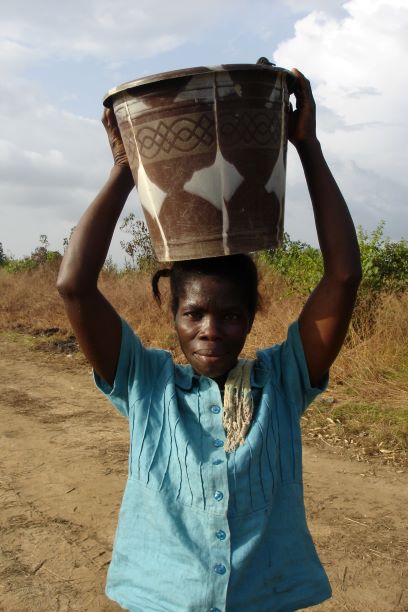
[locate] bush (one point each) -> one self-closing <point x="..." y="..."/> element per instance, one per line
<point x="300" y="264"/>
<point x="41" y="256"/>
<point x="384" y="263"/>
<point x="20" y="265"/>
<point x="3" y="256"/>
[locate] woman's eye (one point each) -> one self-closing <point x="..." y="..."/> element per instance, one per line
<point x="194" y="316"/>
<point x="231" y="316"/>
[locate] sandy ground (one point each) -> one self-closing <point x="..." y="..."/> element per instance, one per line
<point x="63" y="467"/>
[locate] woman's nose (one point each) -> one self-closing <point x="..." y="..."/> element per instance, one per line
<point x="210" y="328"/>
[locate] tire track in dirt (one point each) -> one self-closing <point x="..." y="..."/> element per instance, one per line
<point x="63" y="469"/>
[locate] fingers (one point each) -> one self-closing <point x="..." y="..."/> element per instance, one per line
<point x="297" y="73"/>
<point x="115" y="139"/>
<point x="302" y="81"/>
<point x="303" y="91"/>
<point x="109" y="118"/>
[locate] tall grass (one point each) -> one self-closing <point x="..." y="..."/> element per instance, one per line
<point x="376" y="350"/>
<point x="369" y="380"/>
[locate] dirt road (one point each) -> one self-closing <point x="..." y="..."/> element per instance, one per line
<point x="63" y="467"/>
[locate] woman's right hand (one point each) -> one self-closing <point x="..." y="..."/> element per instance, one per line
<point x="302" y="121"/>
<point x="115" y="139"/>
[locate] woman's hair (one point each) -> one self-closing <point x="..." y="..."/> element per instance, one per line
<point x="238" y="269"/>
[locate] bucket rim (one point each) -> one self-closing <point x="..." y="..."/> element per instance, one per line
<point x="190" y="72"/>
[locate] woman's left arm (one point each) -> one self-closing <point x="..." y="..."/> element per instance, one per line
<point x="326" y="315"/>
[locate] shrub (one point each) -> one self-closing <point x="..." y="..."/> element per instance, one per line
<point x="3" y="256"/>
<point x="384" y="263"/>
<point x="300" y="264"/>
<point x="20" y="265"/>
<point x="41" y="256"/>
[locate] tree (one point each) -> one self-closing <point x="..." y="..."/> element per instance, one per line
<point x="139" y="248"/>
<point x="40" y="253"/>
<point x="3" y="257"/>
<point x="66" y="240"/>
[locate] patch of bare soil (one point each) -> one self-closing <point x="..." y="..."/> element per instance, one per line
<point x="63" y="468"/>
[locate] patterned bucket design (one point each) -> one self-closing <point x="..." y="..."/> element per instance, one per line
<point x="207" y="148"/>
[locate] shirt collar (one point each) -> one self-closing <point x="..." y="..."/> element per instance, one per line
<point x="259" y="376"/>
<point x="184" y="376"/>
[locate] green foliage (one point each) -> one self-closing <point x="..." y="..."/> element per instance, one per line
<point x="20" y="265"/>
<point x="384" y="263"/>
<point x="3" y="256"/>
<point x="39" y="257"/>
<point x="139" y="248"/>
<point x="299" y="263"/>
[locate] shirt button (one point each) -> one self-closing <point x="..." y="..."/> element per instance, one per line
<point x="218" y="443"/>
<point x="219" y="568"/>
<point x="218" y="461"/>
<point x="221" y="535"/>
<point x="215" y="409"/>
<point x="218" y="495"/>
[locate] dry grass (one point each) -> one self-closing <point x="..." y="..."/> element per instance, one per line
<point x="366" y="407"/>
<point x="374" y="365"/>
<point x="29" y="300"/>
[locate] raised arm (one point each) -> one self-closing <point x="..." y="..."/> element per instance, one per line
<point x="94" y="321"/>
<point x="326" y="315"/>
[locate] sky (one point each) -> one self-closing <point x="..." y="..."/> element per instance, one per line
<point x="57" y="60"/>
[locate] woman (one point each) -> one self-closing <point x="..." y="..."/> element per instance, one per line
<point x="213" y="516"/>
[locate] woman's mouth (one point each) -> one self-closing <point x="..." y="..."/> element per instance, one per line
<point x="209" y="356"/>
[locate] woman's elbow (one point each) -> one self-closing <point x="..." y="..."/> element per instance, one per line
<point x="71" y="286"/>
<point x="354" y="276"/>
<point x="349" y="279"/>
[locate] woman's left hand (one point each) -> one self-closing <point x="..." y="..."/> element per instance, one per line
<point x="302" y="121"/>
<point x="115" y="140"/>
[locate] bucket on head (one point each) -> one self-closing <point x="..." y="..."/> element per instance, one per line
<point x="207" y="149"/>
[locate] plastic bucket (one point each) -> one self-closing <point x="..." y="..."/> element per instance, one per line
<point x="207" y="149"/>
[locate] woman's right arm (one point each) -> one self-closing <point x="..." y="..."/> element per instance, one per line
<point x="95" y="322"/>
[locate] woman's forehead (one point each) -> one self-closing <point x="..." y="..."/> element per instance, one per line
<point x="205" y="289"/>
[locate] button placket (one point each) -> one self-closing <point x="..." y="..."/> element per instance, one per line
<point x="218" y="496"/>
<point x="217" y="461"/>
<point x="217" y="482"/>
<point x="219" y="478"/>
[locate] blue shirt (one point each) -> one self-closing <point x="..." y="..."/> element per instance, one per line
<point x="199" y="529"/>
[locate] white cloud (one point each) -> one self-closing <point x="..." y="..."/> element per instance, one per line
<point x="356" y="67"/>
<point x="51" y="165"/>
<point x="111" y="30"/>
<point x="332" y="7"/>
<point x="52" y="162"/>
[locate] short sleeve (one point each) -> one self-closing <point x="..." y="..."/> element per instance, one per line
<point x="288" y="362"/>
<point x="136" y="371"/>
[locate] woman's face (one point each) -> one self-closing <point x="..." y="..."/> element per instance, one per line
<point x="212" y="323"/>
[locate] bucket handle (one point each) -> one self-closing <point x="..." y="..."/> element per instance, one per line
<point x="265" y="62"/>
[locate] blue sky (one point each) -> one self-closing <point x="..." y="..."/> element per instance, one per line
<point x="58" y="60"/>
